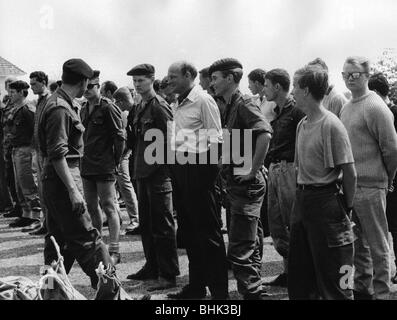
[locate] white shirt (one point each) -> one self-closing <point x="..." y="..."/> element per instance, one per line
<point x="267" y="108"/>
<point x="197" y="123"/>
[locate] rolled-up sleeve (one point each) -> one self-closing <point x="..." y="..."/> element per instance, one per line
<point x="254" y="119"/>
<point x="57" y="132"/>
<point x="115" y="122"/>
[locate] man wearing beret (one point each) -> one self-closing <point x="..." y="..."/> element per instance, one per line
<point x="197" y="118"/>
<point x="153" y="183"/>
<point x="13" y="208"/>
<point x="21" y="122"/>
<point x="61" y="143"/>
<point x="245" y="183"/>
<point x="103" y="147"/>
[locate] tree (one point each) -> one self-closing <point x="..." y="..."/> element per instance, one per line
<point x="387" y="64"/>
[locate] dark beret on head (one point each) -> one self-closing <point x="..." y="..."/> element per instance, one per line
<point x="77" y="67"/>
<point x="142" y="70"/>
<point x="95" y="78"/>
<point x="19" y="85"/>
<point x="224" y="65"/>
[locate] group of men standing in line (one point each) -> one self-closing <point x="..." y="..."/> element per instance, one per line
<point x="324" y="164"/>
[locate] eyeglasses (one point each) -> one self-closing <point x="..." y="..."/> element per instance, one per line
<point x="90" y="86"/>
<point x="353" y="75"/>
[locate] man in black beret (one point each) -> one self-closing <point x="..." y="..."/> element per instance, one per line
<point x="21" y="121"/>
<point x="153" y="182"/>
<point x="60" y="137"/>
<point x="103" y="147"/>
<point x="245" y="183"/>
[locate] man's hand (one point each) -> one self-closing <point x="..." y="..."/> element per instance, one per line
<point x="248" y="177"/>
<point x="77" y="201"/>
<point x="390" y="188"/>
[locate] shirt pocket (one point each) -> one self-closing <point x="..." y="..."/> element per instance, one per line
<point x="98" y="121"/>
<point x="146" y="125"/>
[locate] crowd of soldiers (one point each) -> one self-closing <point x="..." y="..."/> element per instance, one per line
<point x="317" y="174"/>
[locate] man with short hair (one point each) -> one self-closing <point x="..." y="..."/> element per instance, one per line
<point x="282" y="175"/>
<point x="13" y="208"/>
<point x="124" y="101"/>
<point x="61" y="143"/>
<point x="108" y="88"/>
<point x="38" y="84"/>
<point x="103" y="146"/>
<point x="333" y="100"/>
<point x="245" y="182"/>
<point x="256" y="84"/>
<point x="21" y="121"/>
<point x="168" y="94"/>
<point x="153" y="183"/>
<point x="205" y="81"/>
<point x="321" y="244"/>
<point x="369" y="123"/>
<point x="196" y="139"/>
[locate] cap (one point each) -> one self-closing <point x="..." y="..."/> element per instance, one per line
<point x="225" y="64"/>
<point x="19" y="85"/>
<point x="142" y="70"/>
<point x="95" y="77"/>
<point x="77" y="67"/>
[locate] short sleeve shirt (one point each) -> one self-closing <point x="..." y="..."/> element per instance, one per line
<point x="320" y="149"/>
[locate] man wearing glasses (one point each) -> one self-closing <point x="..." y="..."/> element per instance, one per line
<point x="103" y="146"/>
<point x="369" y="123"/>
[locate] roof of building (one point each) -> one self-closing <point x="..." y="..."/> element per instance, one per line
<point x="9" y="69"/>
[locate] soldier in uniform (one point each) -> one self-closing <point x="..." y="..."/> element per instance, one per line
<point x="13" y="208"/>
<point x="21" y="122"/>
<point x="153" y="184"/>
<point x="38" y="84"/>
<point x="60" y="136"/>
<point x="245" y="187"/>
<point x="103" y="147"/>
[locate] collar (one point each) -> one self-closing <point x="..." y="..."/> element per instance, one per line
<point x="192" y="96"/>
<point x="64" y="95"/>
<point x="288" y="103"/>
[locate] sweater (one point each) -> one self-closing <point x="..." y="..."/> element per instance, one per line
<point x="370" y="126"/>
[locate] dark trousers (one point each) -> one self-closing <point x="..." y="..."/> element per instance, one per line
<point x="321" y="248"/>
<point x="157" y="224"/>
<point x="73" y="231"/>
<point x="10" y="188"/>
<point x="200" y="226"/>
<point x="246" y="234"/>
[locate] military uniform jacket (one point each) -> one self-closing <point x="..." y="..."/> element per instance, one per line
<point x="242" y="113"/>
<point x="21" y="123"/>
<point x="102" y="126"/>
<point x="60" y="131"/>
<point x="152" y="114"/>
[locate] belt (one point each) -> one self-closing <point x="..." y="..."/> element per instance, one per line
<point x="75" y="162"/>
<point x="314" y="187"/>
<point x="280" y="160"/>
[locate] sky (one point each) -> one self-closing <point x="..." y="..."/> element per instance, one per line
<point x="115" y="35"/>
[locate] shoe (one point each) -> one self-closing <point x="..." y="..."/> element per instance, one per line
<point x="39" y="232"/>
<point x="163" y="284"/>
<point x="132" y="231"/>
<point x="261" y="295"/>
<point x="13" y="213"/>
<point x="35" y="225"/>
<point x="21" y="222"/>
<point x="143" y="274"/>
<point x="188" y="292"/>
<point x="115" y="257"/>
<point x="280" y="281"/>
<point x="362" y="295"/>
